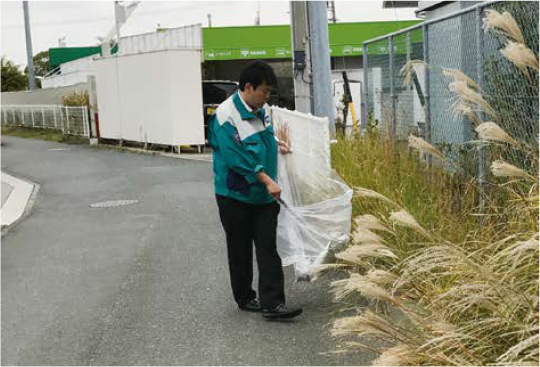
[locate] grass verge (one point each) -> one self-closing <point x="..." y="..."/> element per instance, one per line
<point x="442" y="202"/>
<point x="27" y="133"/>
<point x="43" y="134"/>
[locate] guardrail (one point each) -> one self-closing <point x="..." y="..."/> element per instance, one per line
<point x="70" y="120"/>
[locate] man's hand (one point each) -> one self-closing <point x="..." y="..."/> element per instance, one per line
<point x="274" y="190"/>
<point x="283" y="147"/>
<point x="271" y="186"/>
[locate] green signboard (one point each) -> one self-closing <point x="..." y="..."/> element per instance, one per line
<point x="247" y="53"/>
<point x="268" y="42"/>
<point x="274" y="42"/>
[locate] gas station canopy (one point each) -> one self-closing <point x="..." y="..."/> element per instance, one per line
<point x="262" y="42"/>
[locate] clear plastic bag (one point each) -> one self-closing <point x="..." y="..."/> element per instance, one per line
<point x="316" y="205"/>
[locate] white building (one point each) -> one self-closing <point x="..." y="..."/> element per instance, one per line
<point x="431" y="9"/>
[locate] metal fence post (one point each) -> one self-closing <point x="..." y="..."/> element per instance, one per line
<point x="54" y="115"/>
<point x="67" y="120"/>
<point x="22" y="116"/>
<point x="85" y="122"/>
<point x="427" y="94"/>
<point x="482" y="153"/>
<point x="365" y="102"/>
<point x="43" y="116"/>
<point x="392" y="86"/>
<point x="33" y="119"/>
<point x="409" y="123"/>
<point x="408" y="45"/>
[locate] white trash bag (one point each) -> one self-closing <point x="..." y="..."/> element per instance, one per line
<point x="315" y="203"/>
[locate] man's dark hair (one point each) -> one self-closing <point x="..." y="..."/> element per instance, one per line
<point x="257" y="73"/>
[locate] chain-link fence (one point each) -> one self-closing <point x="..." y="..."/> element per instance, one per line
<point x="406" y="91"/>
<point x="69" y="120"/>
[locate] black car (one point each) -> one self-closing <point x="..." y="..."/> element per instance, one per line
<point x="215" y="92"/>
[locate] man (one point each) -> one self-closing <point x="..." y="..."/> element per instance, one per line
<point x="245" y="169"/>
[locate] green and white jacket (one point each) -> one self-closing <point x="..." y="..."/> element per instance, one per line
<point x="243" y="144"/>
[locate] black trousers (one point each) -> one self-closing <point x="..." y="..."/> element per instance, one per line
<point x="245" y="225"/>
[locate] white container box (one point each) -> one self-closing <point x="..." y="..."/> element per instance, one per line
<point x="153" y="97"/>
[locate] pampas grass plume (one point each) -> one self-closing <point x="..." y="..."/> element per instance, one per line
<point x="355" y="254"/>
<point x="491" y="131"/>
<point x="521" y="56"/>
<point x="370" y="222"/>
<point x="394" y="356"/>
<point x="361" y="284"/>
<point x="461" y="76"/>
<point x="424" y="147"/>
<point x="367" y="323"/>
<point x="367" y="193"/>
<point x="403" y="218"/>
<point x="470" y="96"/>
<point x="503" y="22"/>
<point x="464" y="109"/>
<point x="504" y="169"/>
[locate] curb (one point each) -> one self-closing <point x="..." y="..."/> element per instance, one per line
<point x="19" y="203"/>
<point x="201" y="157"/>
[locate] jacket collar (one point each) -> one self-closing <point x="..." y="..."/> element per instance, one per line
<point x="241" y="107"/>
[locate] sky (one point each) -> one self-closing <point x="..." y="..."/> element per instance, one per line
<point x="81" y="22"/>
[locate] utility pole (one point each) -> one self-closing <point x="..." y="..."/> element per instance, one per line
<point x="311" y="56"/>
<point x="258" y="16"/>
<point x="120" y="17"/>
<point x="121" y="14"/>
<point x="301" y="55"/>
<point x="323" y="105"/>
<point x="29" y="54"/>
<point x="332" y="11"/>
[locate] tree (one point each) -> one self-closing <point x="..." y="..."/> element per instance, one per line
<point x="13" y="79"/>
<point x="41" y="64"/>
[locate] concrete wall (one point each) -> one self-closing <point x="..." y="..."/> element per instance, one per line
<point x="41" y="96"/>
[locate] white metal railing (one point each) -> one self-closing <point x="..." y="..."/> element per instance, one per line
<point x="62" y="80"/>
<point x="182" y="37"/>
<point x="70" y="120"/>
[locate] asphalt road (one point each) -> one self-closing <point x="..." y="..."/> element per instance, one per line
<point x="144" y="284"/>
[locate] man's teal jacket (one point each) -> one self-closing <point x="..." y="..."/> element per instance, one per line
<point x="243" y="144"/>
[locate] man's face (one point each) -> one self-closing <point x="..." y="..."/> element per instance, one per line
<point x="256" y="98"/>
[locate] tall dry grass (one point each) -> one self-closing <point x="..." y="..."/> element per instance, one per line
<point x="438" y="199"/>
<point x="76" y="99"/>
<point x="454" y="290"/>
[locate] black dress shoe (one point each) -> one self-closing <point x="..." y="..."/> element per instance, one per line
<point x="252" y="306"/>
<point x="281" y="312"/>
